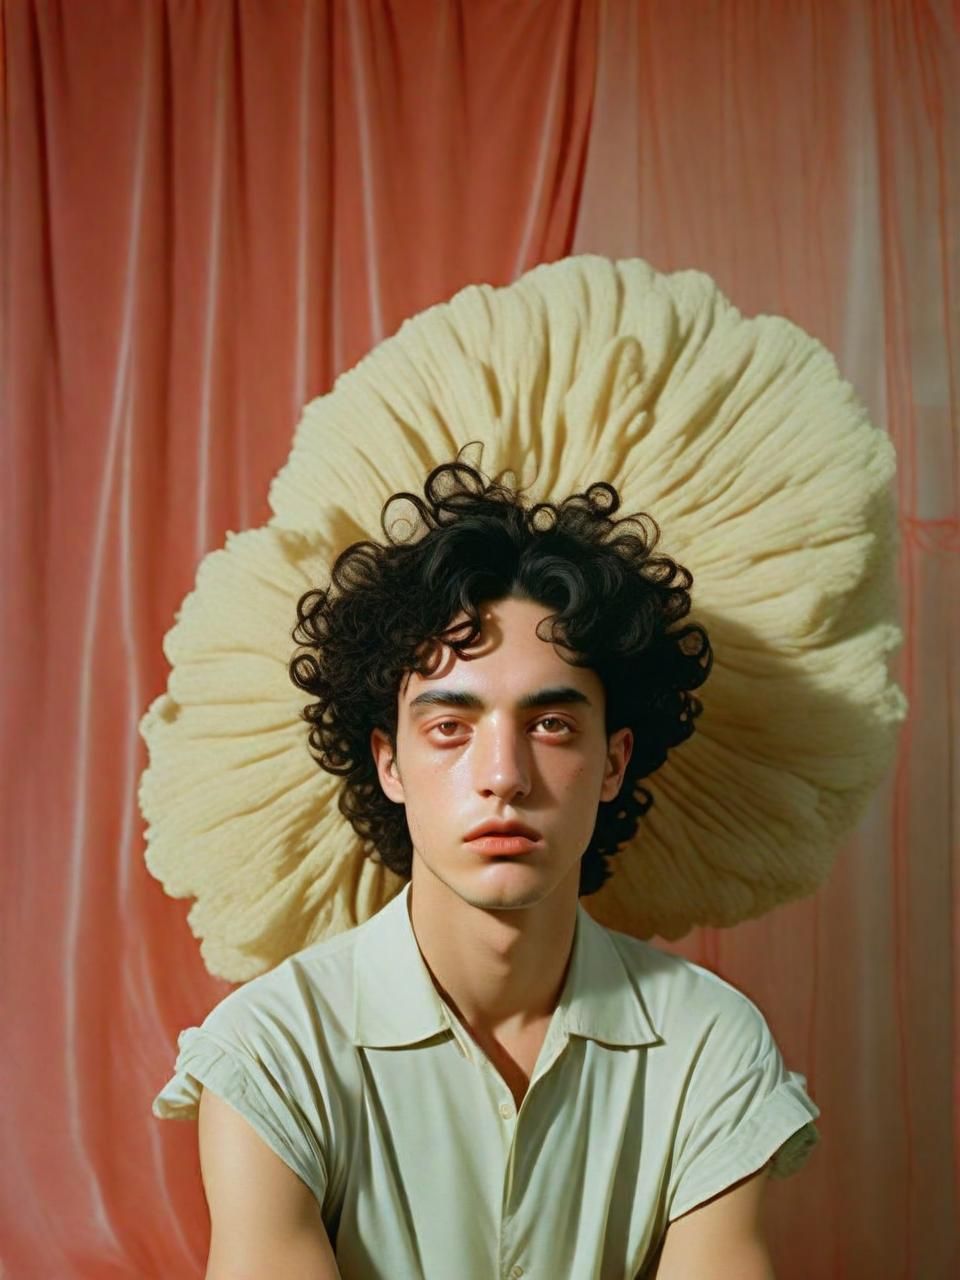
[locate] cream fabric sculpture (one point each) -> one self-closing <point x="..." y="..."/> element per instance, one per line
<point x="768" y="482"/>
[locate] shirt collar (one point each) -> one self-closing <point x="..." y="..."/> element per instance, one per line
<point x="396" y="1003"/>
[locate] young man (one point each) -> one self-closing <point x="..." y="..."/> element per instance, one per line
<point x="481" y="1080"/>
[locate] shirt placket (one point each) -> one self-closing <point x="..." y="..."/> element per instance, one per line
<point x="516" y="1260"/>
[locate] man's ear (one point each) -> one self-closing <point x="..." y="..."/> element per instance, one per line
<point x="385" y="758"/>
<point x="619" y="750"/>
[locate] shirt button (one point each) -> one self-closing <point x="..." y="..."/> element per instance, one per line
<point x="516" y="1272"/>
<point x="507" y="1111"/>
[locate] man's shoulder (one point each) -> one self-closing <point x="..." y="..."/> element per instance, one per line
<point x="685" y="999"/>
<point x="313" y="983"/>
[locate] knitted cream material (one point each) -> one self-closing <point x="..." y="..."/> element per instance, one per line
<point x="768" y="482"/>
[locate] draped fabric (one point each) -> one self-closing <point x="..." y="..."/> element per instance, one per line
<point x="209" y="211"/>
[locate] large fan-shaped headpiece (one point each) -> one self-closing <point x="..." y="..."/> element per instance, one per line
<point x="768" y="483"/>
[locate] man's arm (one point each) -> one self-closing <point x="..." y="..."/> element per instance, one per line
<point x="264" y="1221"/>
<point x="721" y="1239"/>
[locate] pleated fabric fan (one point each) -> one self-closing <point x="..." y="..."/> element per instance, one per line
<point x="769" y="483"/>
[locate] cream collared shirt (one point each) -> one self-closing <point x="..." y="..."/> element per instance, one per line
<point x="658" y="1085"/>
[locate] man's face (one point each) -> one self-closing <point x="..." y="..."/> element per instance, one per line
<point x="547" y="765"/>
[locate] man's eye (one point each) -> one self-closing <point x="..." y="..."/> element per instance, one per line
<point x="557" y="721"/>
<point x="559" y="725"/>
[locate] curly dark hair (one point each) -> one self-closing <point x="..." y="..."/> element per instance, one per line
<point x="615" y="604"/>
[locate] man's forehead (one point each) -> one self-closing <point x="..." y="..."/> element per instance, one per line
<point x="456" y="682"/>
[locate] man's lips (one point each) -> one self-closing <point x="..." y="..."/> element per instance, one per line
<point x="503" y="836"/>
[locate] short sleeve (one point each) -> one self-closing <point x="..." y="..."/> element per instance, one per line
<point x="743" y="1109"/>
<point x="258" y="1083"/>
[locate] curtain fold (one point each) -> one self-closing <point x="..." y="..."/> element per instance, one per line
<point x="209" y="211"/>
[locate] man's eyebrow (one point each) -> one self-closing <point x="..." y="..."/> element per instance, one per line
<point x="552" y="696"/>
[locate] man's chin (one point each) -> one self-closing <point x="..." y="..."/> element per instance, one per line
<point x="492" y="884"/>
<point x="509" y="885"/>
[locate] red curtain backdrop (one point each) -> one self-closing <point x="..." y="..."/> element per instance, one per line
<point x="208" y="212"/>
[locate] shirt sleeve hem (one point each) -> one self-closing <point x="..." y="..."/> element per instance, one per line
<point x="202" y="1064"/>
<point x="782" y="1133"/>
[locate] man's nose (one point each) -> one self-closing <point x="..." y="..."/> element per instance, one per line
<point x="502" y="761"/>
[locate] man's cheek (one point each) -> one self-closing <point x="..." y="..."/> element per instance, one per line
<point x="415" y="827"/>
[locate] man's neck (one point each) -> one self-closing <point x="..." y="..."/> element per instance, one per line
<point x="501" y="972"/>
